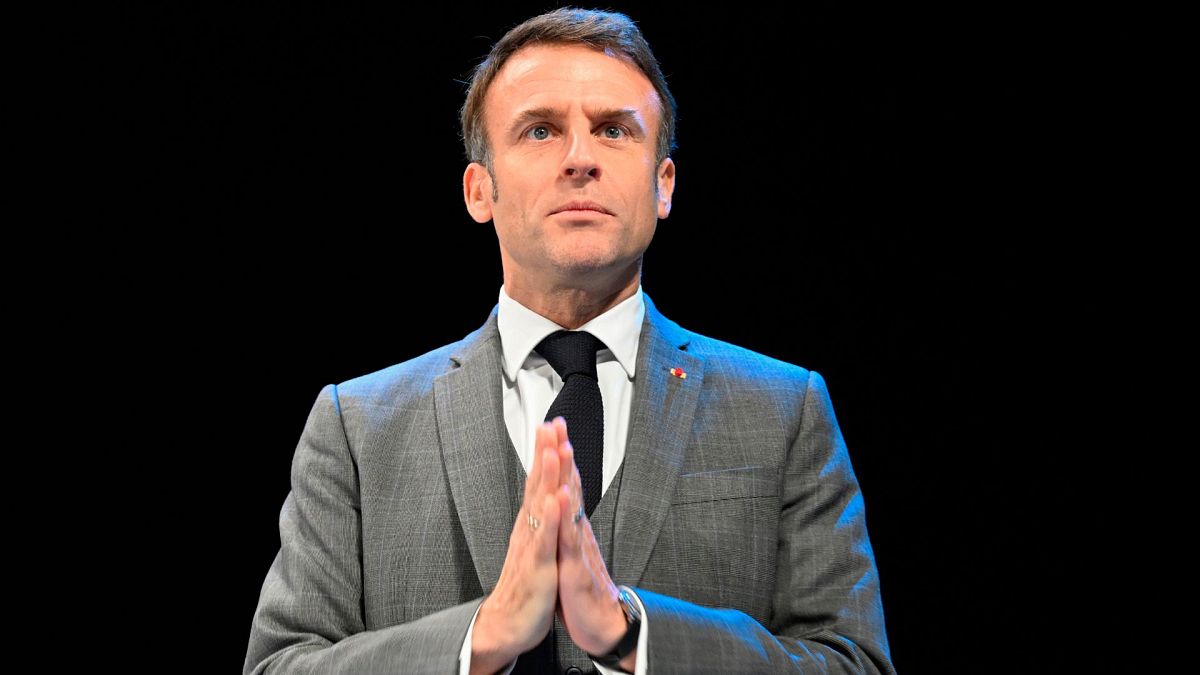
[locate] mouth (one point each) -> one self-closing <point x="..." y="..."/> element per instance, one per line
<point x="580" y="207"/>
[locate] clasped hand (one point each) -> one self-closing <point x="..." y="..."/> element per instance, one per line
<point x="553" y="565"/>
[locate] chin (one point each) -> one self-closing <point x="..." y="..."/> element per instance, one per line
<point x="585" y="265"/>
<point x="584" y="262"/>
<point x="584" y="255"/>
<point x="605" y="270"/>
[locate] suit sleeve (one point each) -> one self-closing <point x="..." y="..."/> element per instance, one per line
<point x="310" y="610"/>
<point x="827" y="616"/>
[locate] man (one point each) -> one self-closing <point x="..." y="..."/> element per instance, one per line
<point x="437" y="524"/>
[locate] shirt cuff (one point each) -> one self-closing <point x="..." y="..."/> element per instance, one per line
<point x="640" y="661"/>
<point x="464" y="654"/>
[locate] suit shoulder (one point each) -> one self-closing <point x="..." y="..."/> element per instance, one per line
<point x="397" y="383"/>
<point x="731" y="361"/>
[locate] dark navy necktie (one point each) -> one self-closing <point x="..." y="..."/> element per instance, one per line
<point x="572" y="354"/>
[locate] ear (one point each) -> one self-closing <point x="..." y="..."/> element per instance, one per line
<point x="477" y="192"/>
<point x="666" y="186"/>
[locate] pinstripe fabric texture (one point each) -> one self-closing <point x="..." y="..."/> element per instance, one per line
<point x="738" y="520"/>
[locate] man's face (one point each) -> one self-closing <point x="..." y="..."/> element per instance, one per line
<point x="573" y="137"/>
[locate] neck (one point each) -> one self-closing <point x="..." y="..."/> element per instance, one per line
<point x="571" y="306"/>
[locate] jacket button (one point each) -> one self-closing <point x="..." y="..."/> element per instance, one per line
<point x="574" y="671"/>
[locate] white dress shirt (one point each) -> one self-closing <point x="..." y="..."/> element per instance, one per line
<point x="530" y="385"/>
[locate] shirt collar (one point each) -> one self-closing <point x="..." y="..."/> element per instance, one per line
<point x="521" y="329"/>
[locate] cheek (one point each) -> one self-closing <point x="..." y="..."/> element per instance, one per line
<point x="514" y="197"/>
<point x="514" y="225"/>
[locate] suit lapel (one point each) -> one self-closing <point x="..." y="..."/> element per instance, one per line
<point x="664" y="407"/>
<point x="477" y="450"/>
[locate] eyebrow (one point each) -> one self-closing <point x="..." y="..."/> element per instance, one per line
<point x="628" y="116"/>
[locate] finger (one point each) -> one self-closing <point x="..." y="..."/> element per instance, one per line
<point x="565" y="506"/>
<point x="591" y="549"/>
<point x="548" y="532"/>
<point x="576" y="483"/>
<point x="566" y="463"/>
<point x="582" y="546"/>
<point x="568" y="533"/>
<point x="559" y="425"/>
<point x="535" y="503"/>
<point x="571" y="538"/>
<point x="550" y="472"/>
<point x="560" y="430"/>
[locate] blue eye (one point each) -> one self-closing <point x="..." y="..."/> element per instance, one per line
<point x="539" y="132"/>
<point x="613" y="127"/>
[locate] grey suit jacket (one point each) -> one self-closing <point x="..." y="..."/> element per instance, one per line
<point x="739" y="523"/>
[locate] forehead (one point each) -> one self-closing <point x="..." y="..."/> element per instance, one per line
<point x="567" y="76"/>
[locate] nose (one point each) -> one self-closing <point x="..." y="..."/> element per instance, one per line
<point x="580" y="161"/>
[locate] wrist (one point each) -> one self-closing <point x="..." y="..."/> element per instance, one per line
<point x="621" y="635"/>
<point x="489" y="648"/>
<point x="613" y="627"/>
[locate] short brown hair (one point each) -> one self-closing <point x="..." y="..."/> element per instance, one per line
<point x="611" y="31"/>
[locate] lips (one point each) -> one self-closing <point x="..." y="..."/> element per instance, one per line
<point x="581" y="206"/>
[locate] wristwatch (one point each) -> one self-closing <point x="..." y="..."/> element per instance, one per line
<point x="629" y="641"/>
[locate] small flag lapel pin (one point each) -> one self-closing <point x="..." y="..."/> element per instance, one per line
<point x="678" y="372"/>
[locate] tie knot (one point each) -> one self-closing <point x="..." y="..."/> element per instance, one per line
<point x="570" y="352"/>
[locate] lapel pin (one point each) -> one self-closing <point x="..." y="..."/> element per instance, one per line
<point x="678" y="372"/>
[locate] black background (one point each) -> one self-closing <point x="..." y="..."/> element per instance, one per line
<point x="884" y="194"/>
